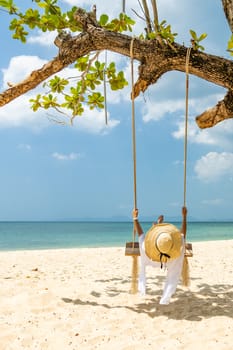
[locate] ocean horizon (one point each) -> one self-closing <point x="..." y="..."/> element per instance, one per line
<point x="35" y="235"/>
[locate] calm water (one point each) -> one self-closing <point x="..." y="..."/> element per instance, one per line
<point x="50" y="235"/>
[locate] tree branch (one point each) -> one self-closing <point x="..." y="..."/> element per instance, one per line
<point x="32" y="81"/>
<point x="223" y="110"/>
<point x="155" y="60"/>
<point x="228" y="9"/>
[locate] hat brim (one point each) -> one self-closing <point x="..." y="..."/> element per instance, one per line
<point x="151" y="248"/>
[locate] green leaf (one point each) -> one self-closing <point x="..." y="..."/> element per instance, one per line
<point x="4" y="3"/>
<point x="103" y="20"/>
<point x="36" y="104"/>
<point x="97" y="64"/>
<point x="121" y="24"/>
<point x="202" y="37"/>
<point x="196" y="40"/>
<point x="118" y="82"/>
<point x="82" y="63"/>
<point x="230" y="44"/>
<point x="49" y="101"/>
<point x="152" y="35"/>
<point x="32" y="17"/>
<point x="9" y="6"/>
<point x="193" y="34"/>
<point x="95" y="100"/>
<point x="58" y="84"/>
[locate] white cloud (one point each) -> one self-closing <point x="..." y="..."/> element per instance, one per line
<point x="62" y="156"/>
<point x="220" y="135"/>
<point x="156" y="108"/>
<point x="19" y="68"/>
<point x="214" y="202"/>
<point x="195" y="135"/>
<point x="174" y="204"/>
<point x="93" y="121"/>
<point x="43" y="38"/>
<point x="214" y="165"/>
<point x="19" y="114"/>
<point x="24" y="146"/>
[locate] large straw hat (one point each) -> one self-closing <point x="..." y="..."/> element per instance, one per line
<point x="163" y="242"/>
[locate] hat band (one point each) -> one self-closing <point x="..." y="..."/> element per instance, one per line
<point x="162" y="254"/>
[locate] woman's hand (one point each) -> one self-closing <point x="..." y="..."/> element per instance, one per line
<point x="135" y="214"/>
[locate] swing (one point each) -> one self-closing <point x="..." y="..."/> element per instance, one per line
<point x="132" y="248"/>
<point x="188" y="246"/>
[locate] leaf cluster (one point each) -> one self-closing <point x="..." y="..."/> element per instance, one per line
<point x="121" y="24"/>
<point x="195" y="40"/>
<point x="164" y="32"/>
<point x="64" y="94"/>
<point x="73" y="93"/>
<point x="46" y="17"/>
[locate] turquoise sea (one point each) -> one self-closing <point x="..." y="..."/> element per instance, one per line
<point x="53" y="235"/>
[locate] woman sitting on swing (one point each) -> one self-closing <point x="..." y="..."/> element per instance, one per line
<point x="162" y="245"/>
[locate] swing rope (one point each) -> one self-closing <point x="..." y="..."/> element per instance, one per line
<point x="186" y="122"/>
<point x="134" y="281"/>
<point x="105" y="91"/>
<point x="185" y="269"/>
<point x="123" y="6"/>
<point x="133" y="126"/>
<point x="184" y="224"/>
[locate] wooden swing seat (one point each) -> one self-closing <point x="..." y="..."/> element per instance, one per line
<point x="188" y="250"/>
<point x="132" y="249"/>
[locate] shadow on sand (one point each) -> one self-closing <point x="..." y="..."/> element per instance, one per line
<point x="208" y="301"/>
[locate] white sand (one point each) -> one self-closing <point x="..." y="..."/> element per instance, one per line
<point x="79" y="299"/>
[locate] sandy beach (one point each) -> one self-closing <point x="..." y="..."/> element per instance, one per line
<point x="79" y="299"/>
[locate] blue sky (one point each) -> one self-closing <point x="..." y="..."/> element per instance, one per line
<point x="50" y="171"/>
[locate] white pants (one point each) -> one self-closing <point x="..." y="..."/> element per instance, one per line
<point x="174" y="269"/>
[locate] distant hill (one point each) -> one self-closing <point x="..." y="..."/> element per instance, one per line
<point x="127" y="219"/>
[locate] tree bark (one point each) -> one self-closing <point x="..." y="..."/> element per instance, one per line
<point x="228" y="9"/>
<point x="155" y="60"/>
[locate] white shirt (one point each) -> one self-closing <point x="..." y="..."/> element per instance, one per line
<point x="174" y="268"/>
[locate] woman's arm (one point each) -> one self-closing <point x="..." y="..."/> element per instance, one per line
<point x="184" y="221"/>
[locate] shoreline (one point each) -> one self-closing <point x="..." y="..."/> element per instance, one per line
<point x="78" y="298"/>
<point x="100" y="247"/>
<point x="18" y="237"/>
